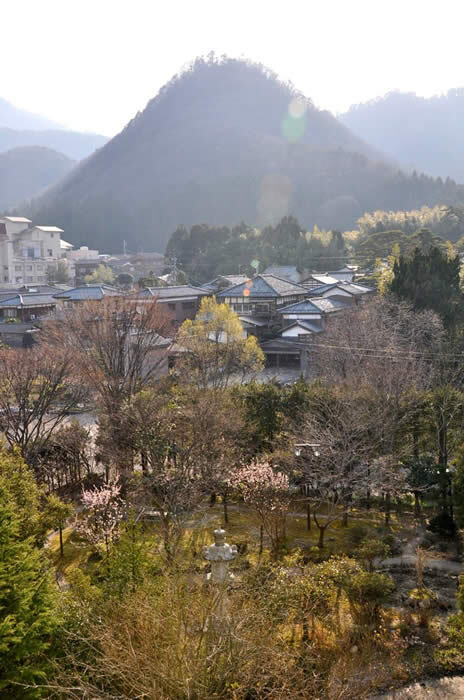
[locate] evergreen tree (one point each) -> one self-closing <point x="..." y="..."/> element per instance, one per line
<point x="27" y="612"/>
<point x="430" y="280"/>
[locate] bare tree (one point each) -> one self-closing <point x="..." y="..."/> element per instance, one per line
<point x="349" y="452"/>
<point x="116" y="344"/>
<point x="383" y="344"/>
<point x="39" y="388"/>
<point x="118" y="348"/>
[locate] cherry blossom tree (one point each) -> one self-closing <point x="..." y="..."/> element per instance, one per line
<point x="102" y="515"/>
<point x="267" y="492"/>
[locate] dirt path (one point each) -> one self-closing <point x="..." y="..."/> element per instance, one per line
<point x="450" y="688"/>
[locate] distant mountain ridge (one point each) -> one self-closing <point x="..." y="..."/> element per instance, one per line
<point x="27" y="171"/>
<point x="420" y="133"/>
<point x="223" y="142"/>
<point x="16" y="118"/>
<point x="73" y="144"/>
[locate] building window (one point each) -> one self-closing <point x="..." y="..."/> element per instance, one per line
<point x="19" y="279"/>
<point x="172" y="306"/>
<point x="50" y="253"/>
<point x="41" y="278"/>
<point x="39" y="268"/>
<point x="18" y="268"/>
<point x="10" y="313"/>
<point x="5" y="278"/>
<point x="5" y="267"/>
<point x="52" y="235"/>
<point x="29" y="268"/>
<point x="188" y="304"/>
<point x="29" y="278"/>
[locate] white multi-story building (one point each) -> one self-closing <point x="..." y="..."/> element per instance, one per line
<point x="26" y="251"/>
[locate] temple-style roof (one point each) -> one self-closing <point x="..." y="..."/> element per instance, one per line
<point x="264" y="286"/>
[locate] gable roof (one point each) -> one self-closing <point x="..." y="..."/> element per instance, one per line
<point x="264" y="286"/>
<point x="306" y="325"/>
<point x="172" y="292"/>
<point x="89" y="291"/>
<point x="304" y="307"/>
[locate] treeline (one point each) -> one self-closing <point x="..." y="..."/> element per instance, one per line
<point x="445" y="221"/>
<point x="205" y="251"/>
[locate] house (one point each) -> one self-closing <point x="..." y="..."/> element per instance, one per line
<point x="316" y="280"/>
<point x="345" y="290"/>
<point x="301" y="329"/>
<point x="27" y="307"/>
<point x="287" y="352"/>
<point x="224" y="282"/>
<point x="87" y="292"/>
<point x="345" y="274"/>
<point x="285" y="272"/>
<point x="182" y="301"/>
<point x="27" y="251"/>
<point x="84" y="267"/>
<point x="263" y="295"/>
<point x="305" y="310"/>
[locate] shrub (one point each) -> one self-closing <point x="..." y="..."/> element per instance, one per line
<point x="443" y="525"/>
<point x="366" y="592"/>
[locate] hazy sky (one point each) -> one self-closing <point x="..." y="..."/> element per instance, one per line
<point x="92" y="64"/>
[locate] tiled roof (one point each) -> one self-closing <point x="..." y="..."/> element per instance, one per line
<point x="350" y="287"/>
<point x="329" y="305"/>
<point x="286" y="272"/>
<point x="29" y="300"/>
<point x="304" y="307"/>
<point x="90" y="291"/>
<point x="231" y="279"/>
<point x="173" y="292"/>
<point x="264" y="286"/>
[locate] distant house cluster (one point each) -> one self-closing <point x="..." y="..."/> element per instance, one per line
<point x="284" y="311"/>
<point x="281" y="307"/>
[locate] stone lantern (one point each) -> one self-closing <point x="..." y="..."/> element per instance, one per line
<point x="220" y="554"/>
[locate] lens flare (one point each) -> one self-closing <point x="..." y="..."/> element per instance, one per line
<point x="297" y="107"/>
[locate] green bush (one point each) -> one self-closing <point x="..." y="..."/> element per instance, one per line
<point x="443" y="525"/>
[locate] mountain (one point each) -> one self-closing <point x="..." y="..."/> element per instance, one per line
<point x="421" y="133"/>
<point x="74" y="144"/>
<point x="15" y="118"/>
<point x="25" y="172"/>
<point x="222" y="142"/>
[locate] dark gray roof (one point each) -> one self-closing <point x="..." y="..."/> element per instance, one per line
<point x="349" y="287"/>
<point x="264" y="286"/>
<point x="88" y="291"/>
<point x="304" y="307"/>
<point x="172" y="292"/>
<point x="231" y="280"/>
<point x="286" y="272"/>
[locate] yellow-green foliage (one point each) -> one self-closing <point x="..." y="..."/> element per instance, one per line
<point x="216" y="346"/>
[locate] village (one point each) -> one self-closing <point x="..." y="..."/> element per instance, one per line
<point x="283" y="308"/>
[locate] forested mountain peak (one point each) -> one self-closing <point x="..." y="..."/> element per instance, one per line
<point x="226" y="141"/>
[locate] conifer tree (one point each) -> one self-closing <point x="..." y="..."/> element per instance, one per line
<point x="27" y="611"/>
